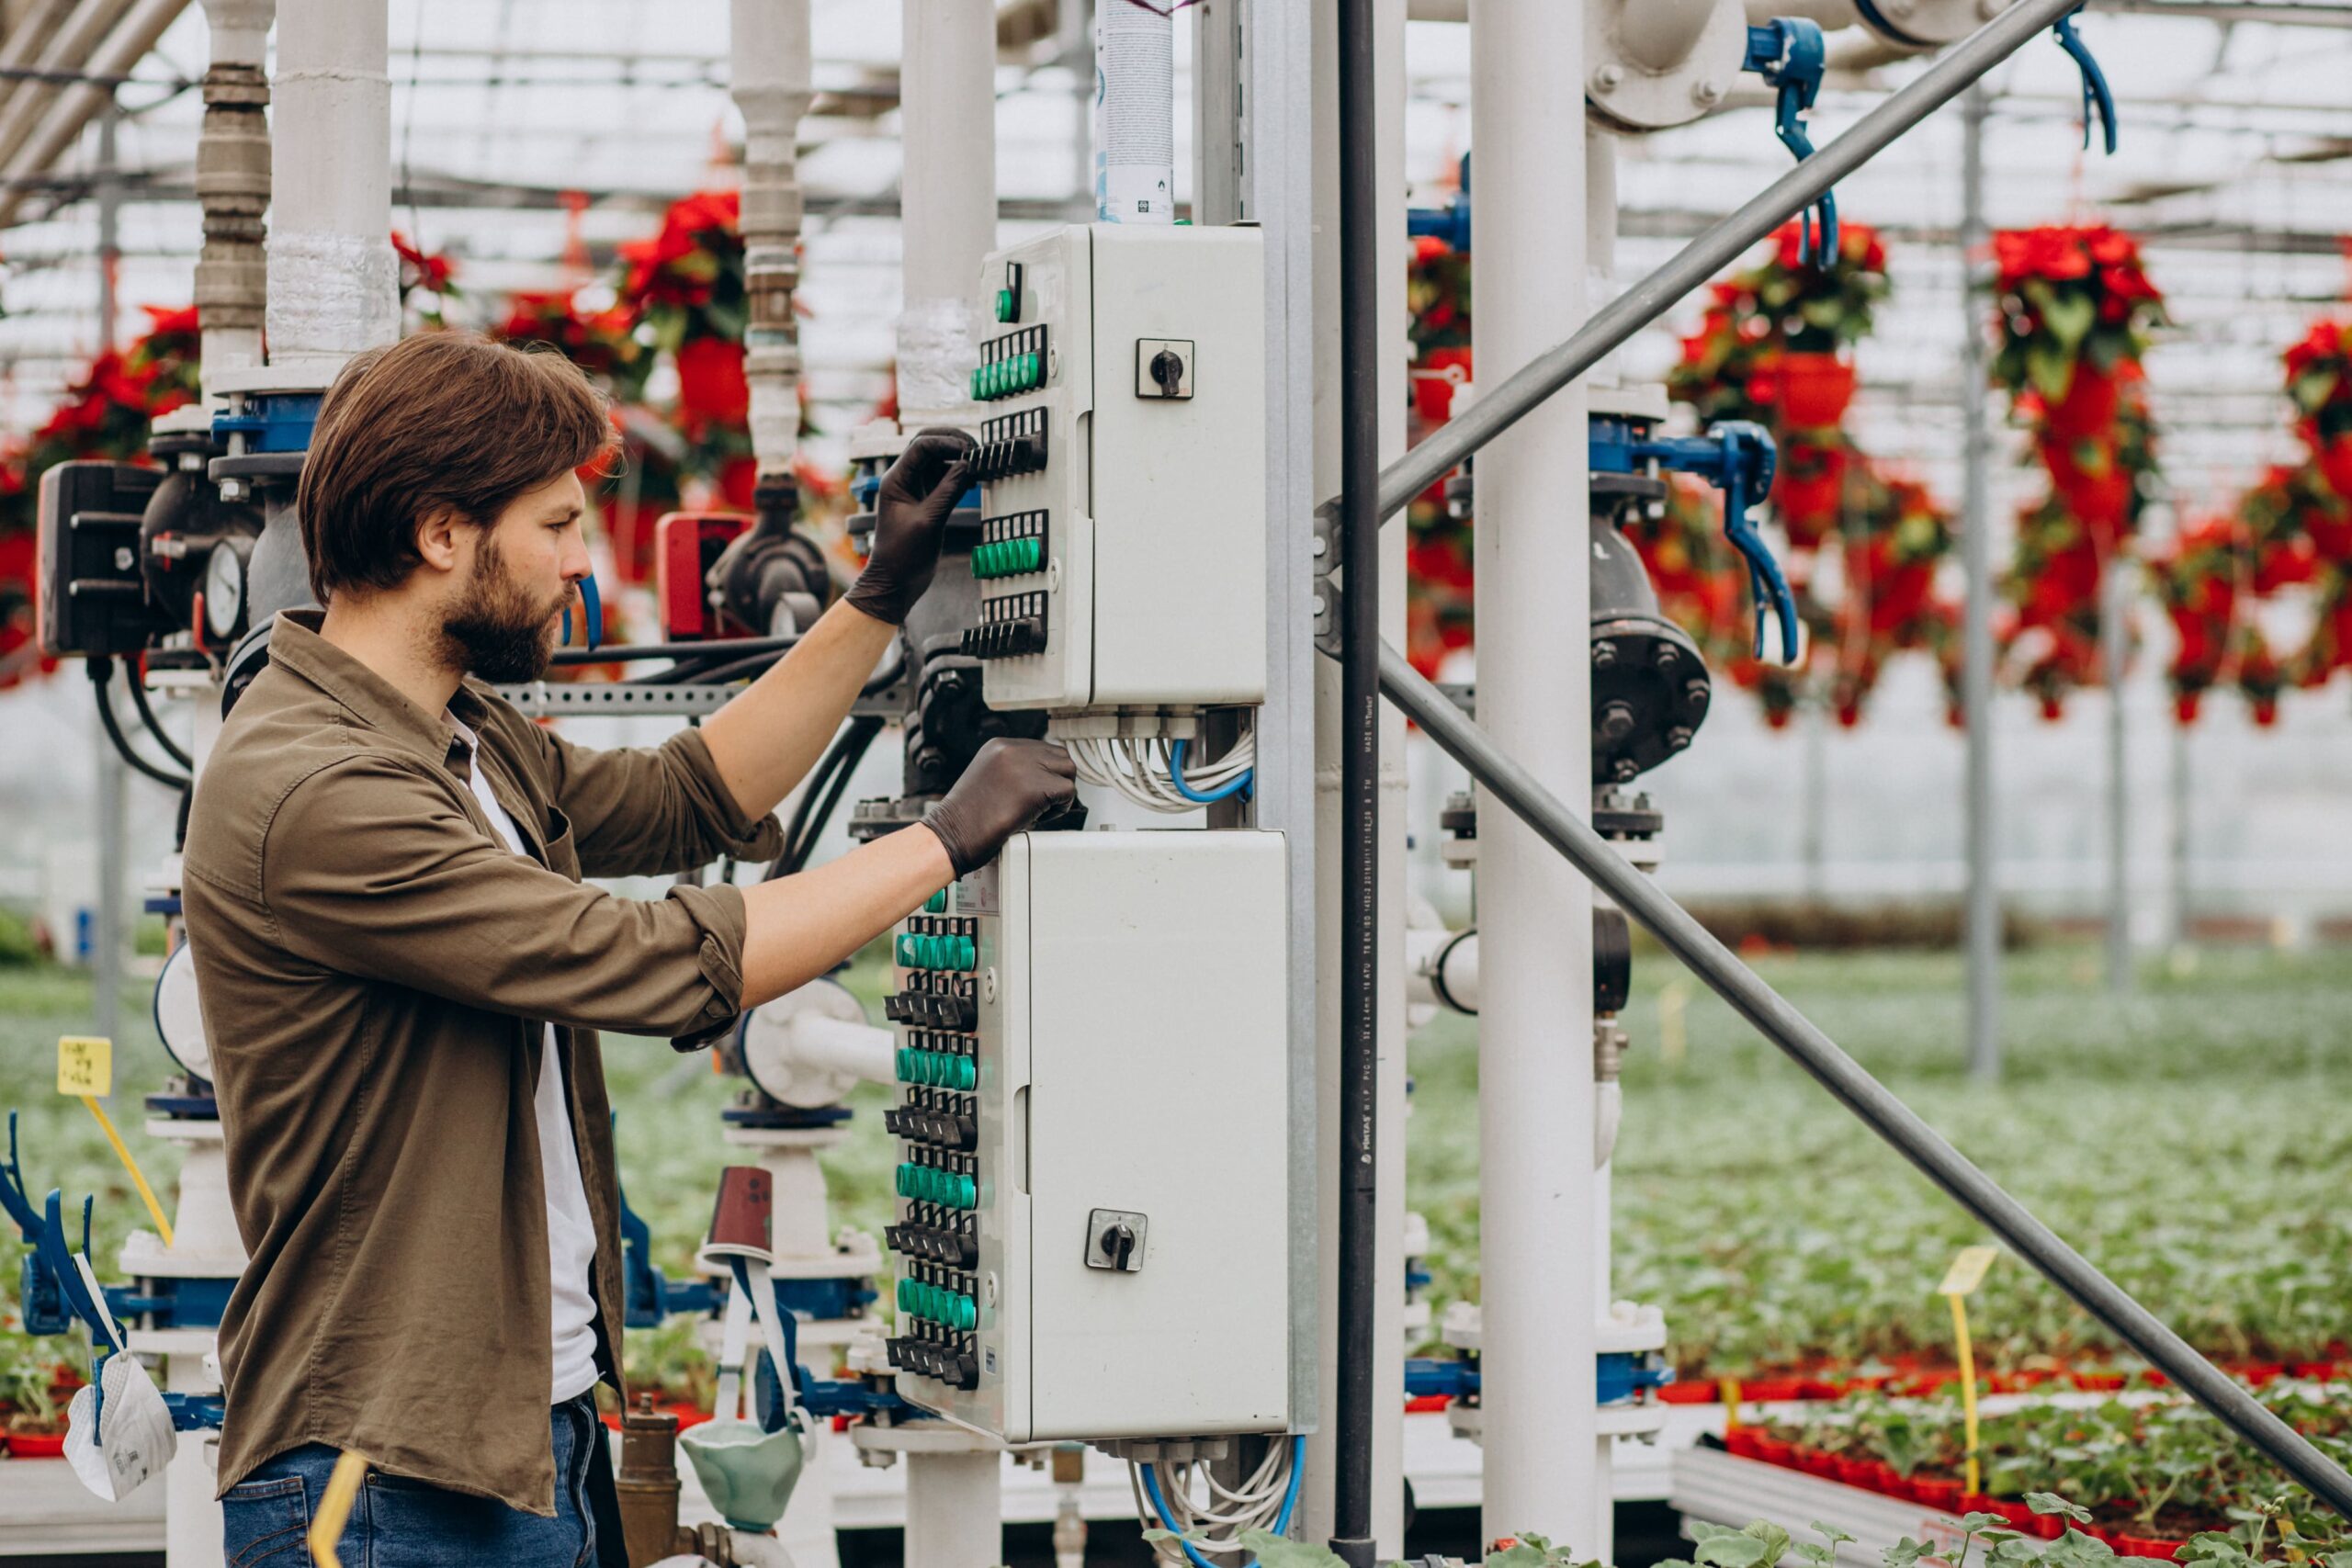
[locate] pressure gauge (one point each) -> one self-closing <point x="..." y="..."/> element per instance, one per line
<point x="179" y="1018"/>
<point x="224" y="591"/>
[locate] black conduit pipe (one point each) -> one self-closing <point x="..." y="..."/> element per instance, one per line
<point x="1351" y="1501"/>
<point x="1505" y="781"/>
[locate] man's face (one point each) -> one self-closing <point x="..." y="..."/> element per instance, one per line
<point x="504" y="619"/>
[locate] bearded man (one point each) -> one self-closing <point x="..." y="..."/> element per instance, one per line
<point x="403" y="975"/>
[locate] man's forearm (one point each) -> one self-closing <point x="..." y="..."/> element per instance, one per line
<point x="767" y="739"/>
<point x="798" y="927"/>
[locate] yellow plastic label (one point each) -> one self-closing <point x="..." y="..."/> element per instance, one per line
<point x="84" y="1065"/>
<point x="1967" y="1270"/>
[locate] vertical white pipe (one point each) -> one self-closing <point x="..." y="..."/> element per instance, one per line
<point x="232" y="183"/>
<point x="768" y="40"/>
<point x="1538" y="1216"/>
<point x="2114" y="649"/>
<point x="952" y="1508"/>
<point x="1388" y="1325"/>
<point x="948" y="201"/>
<point x="333" y="281"/>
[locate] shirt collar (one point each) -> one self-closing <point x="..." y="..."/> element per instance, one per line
<point x="375" y="703"/>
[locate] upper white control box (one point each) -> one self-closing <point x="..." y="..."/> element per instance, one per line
<point x="1122" y="561"/>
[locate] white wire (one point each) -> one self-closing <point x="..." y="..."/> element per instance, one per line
<point x="1256" y="1503"/>
<point x="1139" y="770"/>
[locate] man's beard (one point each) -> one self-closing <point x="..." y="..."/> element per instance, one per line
<point x="493" y="630"/>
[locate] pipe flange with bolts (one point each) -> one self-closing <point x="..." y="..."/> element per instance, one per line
<point x="1654" y="64"/>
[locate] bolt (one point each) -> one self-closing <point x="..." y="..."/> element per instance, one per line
<point x="1608" y="79"/>
<point x="1695" y="695"/>
<point x="1626" y="770"/>
<point x="1667" y="656"/>
<point x="123" y="559"/>
<point x="1678" y="737"/>
<point x="233" y="489"/>
<point x="1706" y="92"/>
<point x="1605" y="654"/>
<point x="1616" y="722"/>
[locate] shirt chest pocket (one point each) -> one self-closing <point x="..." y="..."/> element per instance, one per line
<point x="563" y="854"/>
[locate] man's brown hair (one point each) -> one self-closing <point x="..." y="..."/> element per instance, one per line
<point x="441" y="422"/>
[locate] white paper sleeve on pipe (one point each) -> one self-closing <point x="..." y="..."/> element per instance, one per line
<point x="1135" y="115"/>
<point x="330" y="295"/>
<point x="938" y="348"/>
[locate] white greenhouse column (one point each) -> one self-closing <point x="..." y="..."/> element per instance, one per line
<point x="333" y="281"/>
<point x="1539" y="1217"/>
<point x="233" y="185"/>
<point x="947" y="119"/>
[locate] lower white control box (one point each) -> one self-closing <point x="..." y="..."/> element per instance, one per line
<point x="1093" y="1232"/>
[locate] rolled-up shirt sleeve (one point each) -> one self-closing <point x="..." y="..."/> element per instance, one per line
<point x="644" y="811"/>
<point x="371" y="867"/>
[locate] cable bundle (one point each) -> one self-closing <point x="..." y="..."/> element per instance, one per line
<point x="1264" y="1501"/>
<point x="1152" y="772"/>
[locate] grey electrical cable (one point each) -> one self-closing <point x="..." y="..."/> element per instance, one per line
<point x="1506" y="781"/>
<point x="1497" y="409"/>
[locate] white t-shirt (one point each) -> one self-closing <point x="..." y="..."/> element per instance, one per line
<point x="571" y="1235"/>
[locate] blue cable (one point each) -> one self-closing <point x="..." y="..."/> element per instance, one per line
<point x="1282" y="1521"/>
<point x="1176" y="774"/>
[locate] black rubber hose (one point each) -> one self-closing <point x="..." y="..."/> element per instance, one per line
<point x="1351" y="1499"/>
<point x="147" y="718"/>
<point x="1880" y="1110"/>
<point x="848" y="751"/>
<point x="631" y="652"/>
<point x="101" y="677"/>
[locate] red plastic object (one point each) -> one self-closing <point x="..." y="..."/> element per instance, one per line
<point x="1762" y="1390"/>
<point x="1856" y="1472"/>
<point x="686" y="545"/>
<point x="36" y="1445"/>
<point x="739" y="1220"/>
<point x="1814" y="389"/>
<point x="1941" y="1495"/>
<point x="2099" y="1382"/>
<point x="1426" y="1403"/>
<point x="1699" y="1391"/>
<point x="1744" y="1442"/>
<point x="1772" y="1451"/>
<point x="2145" y="1546"/>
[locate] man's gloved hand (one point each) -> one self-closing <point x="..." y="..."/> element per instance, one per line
<point x="1010" y="785"/>
<point x="911" y="519"/>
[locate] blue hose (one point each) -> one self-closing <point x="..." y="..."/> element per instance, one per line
<point x="1176" y="774"/>
<point x="1282" y="1521"/>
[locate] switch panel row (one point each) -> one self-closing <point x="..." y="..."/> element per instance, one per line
<point x="1010" y="545"/>
<point x="1010" y="366"/>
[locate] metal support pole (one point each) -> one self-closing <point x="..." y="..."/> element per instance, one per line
<point x="2184" y="918"/>
<point x="1519" y="791"/>
<point x="1507" y="401"/>
<point x="1537" y="1194"/>
<point x="1359" y="1174"/>
<point x="232" y="183"/>
<point x="2114" y="653"/>
<point x="107" y="912"/>
<point x="952" y="1504"/>
<point x="1813" y="811"/>
<point x="1982" y="934"/>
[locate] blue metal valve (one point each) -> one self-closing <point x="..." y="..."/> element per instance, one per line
<point x="1450" y="223"/>
<point x="1738" y="457"/>
<point x="2097" y="102"/>
<point x="1789" y="54"/>
<point x="593" y="610"/>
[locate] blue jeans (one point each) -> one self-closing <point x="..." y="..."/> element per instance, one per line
<point x="397" y="1523"/>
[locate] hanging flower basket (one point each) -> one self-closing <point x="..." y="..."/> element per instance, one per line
<point x="1815" y="390"/>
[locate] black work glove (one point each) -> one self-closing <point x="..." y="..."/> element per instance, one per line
<point x="909" y="520"/>
<point x="1010" y="785"/>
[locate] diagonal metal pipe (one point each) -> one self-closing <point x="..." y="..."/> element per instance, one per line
<point x="1844" y="1078"/>
<point x="1497" y="410"/>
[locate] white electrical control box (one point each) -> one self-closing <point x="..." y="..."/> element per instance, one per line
<point x="1091" y="1232"/>
<point x="1123" y="553"/>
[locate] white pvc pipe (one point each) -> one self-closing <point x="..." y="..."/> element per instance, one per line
<point x="1831" y="14"/>
<point x="226" y="272"/>
<point x="948" y="201"/>
<point x="769" y="80"/>
<point x="839" y="1047"/>
<point x="333" y="281"/>
<point x="953" y="1504"/>
<point x="1661" y="34"/>
<point x="1442" y="968"/>
<point x="1538" y="1210"/>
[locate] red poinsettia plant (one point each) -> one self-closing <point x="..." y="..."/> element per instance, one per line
<point x="2074" y="310"/>
<point x="1773" y="348"/>
<point x="2319" y="380"/>
<point x="599" y="341"/>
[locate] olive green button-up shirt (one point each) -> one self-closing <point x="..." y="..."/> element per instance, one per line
<point x="375" y="966"/>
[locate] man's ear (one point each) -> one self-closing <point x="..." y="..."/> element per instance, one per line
<point x="438" y="540"/>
